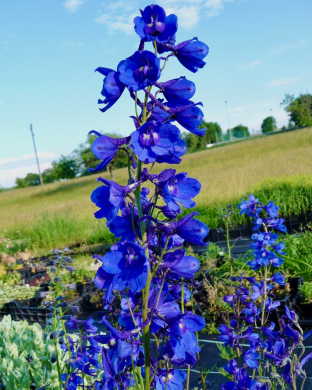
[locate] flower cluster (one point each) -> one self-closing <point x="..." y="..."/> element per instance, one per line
<point x="147" y="277"/>
<point x="270" y="351"/>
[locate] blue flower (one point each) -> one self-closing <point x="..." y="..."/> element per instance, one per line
<point x="74" y="381"/>
<point x="271" y="209"/>
<point x="122" y="227"/>
<point x="250" y="206"/>
<point x="242" y="381"/>
<point x="105" y="148"/>
<point x="189" y="115"/>
<point x="180" y="265"/>
<point x="177" y="91"/>
<point x="153" y="141"/>
<point x="103" y="280"/>
<point x="183" y="338"/>
<point x="129" y="265"/>
<point x="109" y="198"/>
<point x="140" y="70"/>
<point x="177" y="189"/>
<point x="191" y="54"/>
<point x="190" y="118"/>
<point x="174" y="381"/>
<point x="176" y="292"/>
<point x="251" y="359"/>
<point x="155" y="25"/>
<point x="191" y="229"/>
<point x="112" y="87"/>
<point x="279" y="279"/>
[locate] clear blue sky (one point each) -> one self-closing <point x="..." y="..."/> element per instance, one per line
<point x="259" y="50"/>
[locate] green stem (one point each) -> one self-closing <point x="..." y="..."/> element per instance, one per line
<point x="146" y="332"/>
<point x="230" y="259"/>
<point x="167" y="368"/>
<point x="57" y="292"/>
<point x="265" y="295"/>
<point x="183" y="310"/>
<point x="134" y="373"/>
<point x="131" y="312"/>
<point x="303" y="381"/>
<point x="188" y="377"/>
<point x="197" y="354"/>
<point x="182" y="296"/>
<point x="136" y="107"/>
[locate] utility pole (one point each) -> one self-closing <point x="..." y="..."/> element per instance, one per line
<point x="271" y="120"/>
<point x="33" y="137"/>
<point x="227" y="114"/>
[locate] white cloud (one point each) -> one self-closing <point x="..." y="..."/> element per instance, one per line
<point x="251" y="65"/>
<point x="290" y="46"/>
<point x="188" y="16"/>
<point x="13" y="167"/>
<point x="8" y="176"/>
<point x="214" y="7"/>
<point x="282" y="81"/>
<point x="73" y="5"/>
<point x="119" y="15"/>
<point x="238" y="109"/>
<point x="43" y="155"/>
<point x="122" y="23"/>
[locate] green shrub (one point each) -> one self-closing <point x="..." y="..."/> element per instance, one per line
<point x="292" y="194"/>
<point x="306" y="291"/>
<point x="298" y="260"/>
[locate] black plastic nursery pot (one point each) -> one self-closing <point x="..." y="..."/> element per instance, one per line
<point x="19" y="311"/>
<point x="85" y="288"/>
<point x="304" y="311"/>
<point x="292" y="223"/>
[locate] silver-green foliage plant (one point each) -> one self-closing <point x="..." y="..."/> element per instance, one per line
<point x="8" y="294"/>
<point x="25" y="356"/>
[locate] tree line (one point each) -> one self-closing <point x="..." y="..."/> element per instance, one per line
<point x="76" y="164"/>
<point x="81" y="159"/>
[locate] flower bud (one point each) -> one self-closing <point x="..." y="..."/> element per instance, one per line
<point x="53" y="358"/>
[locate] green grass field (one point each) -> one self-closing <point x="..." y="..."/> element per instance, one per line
<point x="61" y="214"/>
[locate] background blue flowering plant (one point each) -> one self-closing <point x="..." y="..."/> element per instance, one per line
<point x="275" y="356"/>
<point x="146" y="277"/>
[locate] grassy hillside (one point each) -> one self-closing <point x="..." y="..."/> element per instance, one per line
<point x="226" y="174"/>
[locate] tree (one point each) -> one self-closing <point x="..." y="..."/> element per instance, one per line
<point x="20" y="183"/>
<point x="195" y="143"/>
<point x="65" y="168"/>
<point x="213" y="131"/>
<point x="268" y="125"/>
<point x="299" y="109"/>
<point x="239" y="131"/>
<point x="49" y="176"/>
<point x="32" y="179"/>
